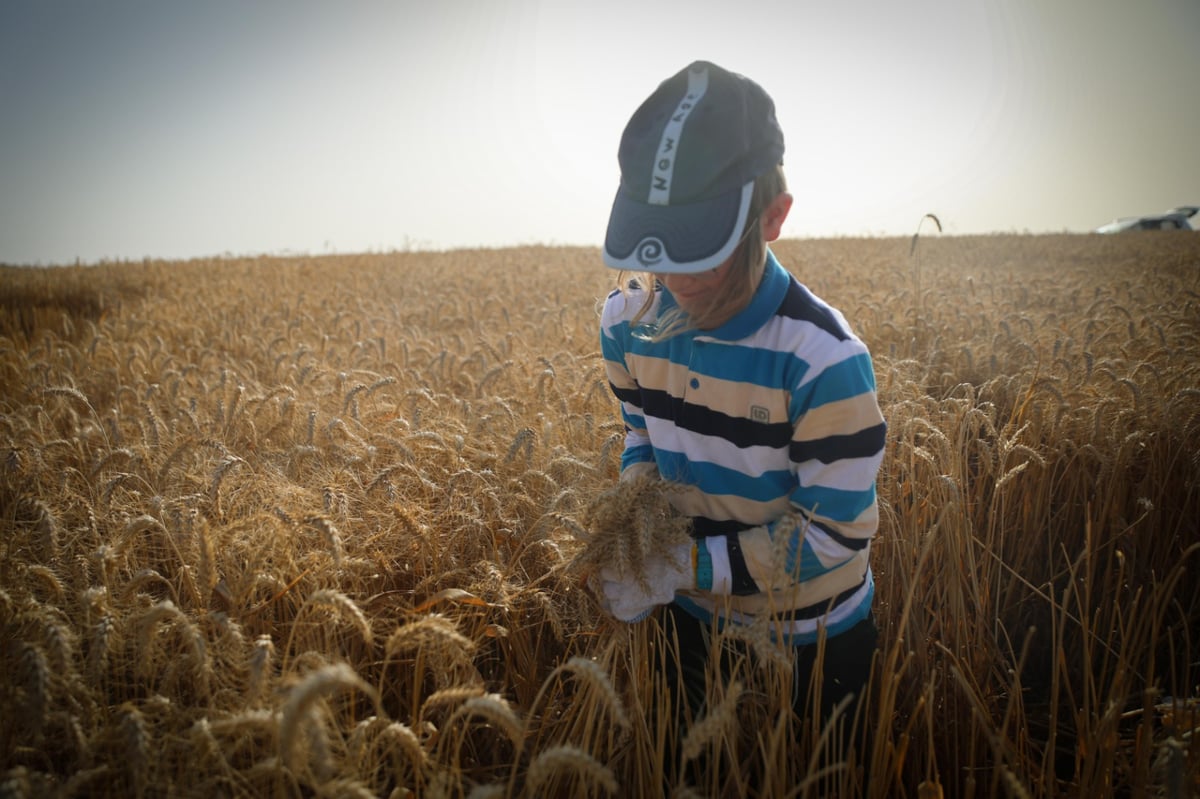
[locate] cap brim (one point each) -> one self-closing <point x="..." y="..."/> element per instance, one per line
<point x="675" y="239"/>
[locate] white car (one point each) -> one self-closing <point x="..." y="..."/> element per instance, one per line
<point x="1175" y="219"/>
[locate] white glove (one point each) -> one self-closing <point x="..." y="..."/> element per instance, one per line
<point x="629" y="599"/>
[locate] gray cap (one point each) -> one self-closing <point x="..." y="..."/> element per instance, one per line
<point x="689" y="157"/>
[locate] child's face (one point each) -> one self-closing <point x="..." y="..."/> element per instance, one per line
<point x="695" y="292"/>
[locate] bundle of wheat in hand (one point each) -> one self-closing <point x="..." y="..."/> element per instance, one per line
<point x="628" y="523"/>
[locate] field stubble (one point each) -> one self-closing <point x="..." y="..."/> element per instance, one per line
<point x="305" y="526"/>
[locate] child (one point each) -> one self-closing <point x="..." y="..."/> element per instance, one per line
<point x="742" y="388"/>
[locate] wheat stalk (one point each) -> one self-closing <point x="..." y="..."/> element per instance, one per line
<point x="720" y="722"/>
<point x="34" y="683"/>
<point x="260" y="667"/>
<point x="137" y="745"/>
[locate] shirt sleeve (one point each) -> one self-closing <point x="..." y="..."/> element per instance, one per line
<point x="637" y="457"/>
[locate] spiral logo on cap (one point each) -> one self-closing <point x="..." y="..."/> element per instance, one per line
<point x="649" y="252"/>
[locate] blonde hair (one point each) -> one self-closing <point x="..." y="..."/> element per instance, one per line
<point x="738" y="287"/>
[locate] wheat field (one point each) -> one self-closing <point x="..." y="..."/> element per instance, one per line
<point x="314" y="526"/>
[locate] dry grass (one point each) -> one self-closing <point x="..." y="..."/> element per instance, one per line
<point x="308" y="526"/>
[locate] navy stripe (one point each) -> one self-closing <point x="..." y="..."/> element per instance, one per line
<point x="737" y="430"/>
<point x="702" y="527"/>
<point x="799" y="303"/>
<point x="742" y="584"/>
<point x="631" y="395"/>
<point x="821" y="608"/>
<point x="862" y="444"/>
<point x="855" y="544"/>
<point x="659" y="403"/>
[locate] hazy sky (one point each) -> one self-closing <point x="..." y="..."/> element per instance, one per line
<point x="179" y="129"/>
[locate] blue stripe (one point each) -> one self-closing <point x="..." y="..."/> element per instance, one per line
<point x="633" y="421"/>
<point x="762" y="367"/>
<point x="610" y="344"/>
<point x="864" y="610"/>
<point x="733" y="362"/>
<point x="632" y="455"/>
<point x="712" y="478"/>
<point x="676" y="349"/>
<point x="842" y="380"/>
<point x="810" y="565"/>
<point x="835" y="503"/>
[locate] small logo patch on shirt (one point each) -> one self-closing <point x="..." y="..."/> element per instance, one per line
<point x="760" y="414"/>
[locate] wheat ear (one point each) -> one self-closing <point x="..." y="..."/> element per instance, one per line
<point x="321" y="683"/>
<point x="571" y="760"/>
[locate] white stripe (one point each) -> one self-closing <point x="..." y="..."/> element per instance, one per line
<point x="750" y="461"/>
<point x="829" y="553"/>
<point x="722" y="572"/>
<point x="853" y="474"/>
<point x="668" y="145"/>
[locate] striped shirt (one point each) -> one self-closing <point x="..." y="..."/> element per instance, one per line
<point x="771" y="427"/>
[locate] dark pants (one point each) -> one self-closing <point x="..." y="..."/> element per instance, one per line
<point x="845" y="672"/>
